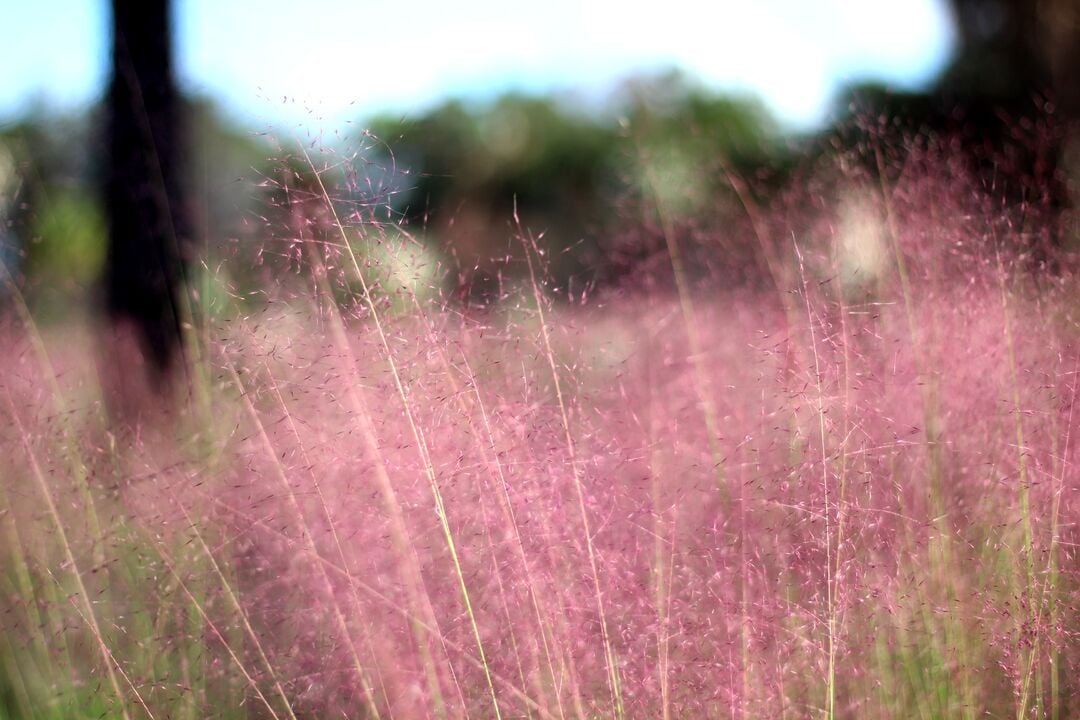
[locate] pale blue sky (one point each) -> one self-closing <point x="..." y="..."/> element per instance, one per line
<point x="329" y="61"/>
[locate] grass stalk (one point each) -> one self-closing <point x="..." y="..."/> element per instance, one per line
<point x="43" y="488"/>
<point x="418" y="434"/>
<point x="234" y="600"/>
<point x="411" y="576"/>
<point x="575" y="466"/>
<point x="830" y="575"/>
<point x="705" y="394"/>
<point x="166" y="557"/>
<point x="384" y="600"/>
<point x="1031" y="668"/>
<point x="305" y="531"/>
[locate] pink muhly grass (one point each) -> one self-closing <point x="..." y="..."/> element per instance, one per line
<point x="847" y="495"/>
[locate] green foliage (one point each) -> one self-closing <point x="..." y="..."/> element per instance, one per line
<point x="465" y="169"/>
<point x="454" y="176"/>
<point x="459" y="158"/>
<point x="225" y="166"/>
<point x="68" y="240"/>
<point x="672" y="111"/>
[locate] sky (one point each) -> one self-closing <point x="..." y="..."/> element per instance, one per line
<point x="324" y="62"/>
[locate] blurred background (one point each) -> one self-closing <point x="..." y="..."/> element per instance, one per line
<point x="572" y="110"/>
<point x="636" y="262"/>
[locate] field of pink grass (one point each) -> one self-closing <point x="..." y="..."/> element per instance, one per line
<point x="849" y="494"/>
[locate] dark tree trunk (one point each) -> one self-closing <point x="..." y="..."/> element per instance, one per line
<point x="148" y="227"/>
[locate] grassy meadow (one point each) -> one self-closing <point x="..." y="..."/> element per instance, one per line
<point x="844" y="490"/>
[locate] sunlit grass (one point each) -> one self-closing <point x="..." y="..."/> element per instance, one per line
<point x="846" y="495"/>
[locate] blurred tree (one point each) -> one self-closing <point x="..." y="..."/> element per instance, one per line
<point x="1008" y="99"/>
<point x="1012" y="50"/>
<point x="465" y="168"/>
<point x="689" y="147"/>
<point x="49" y="162"/>
<point x="226" y="165"/>
<point x="149" y="230"/>
<point x="67" y="250"/>
<point x="1014" y="58"/>
<point x="58" y="162"/>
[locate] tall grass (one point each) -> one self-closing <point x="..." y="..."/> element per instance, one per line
<point x="849" y="493"/>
